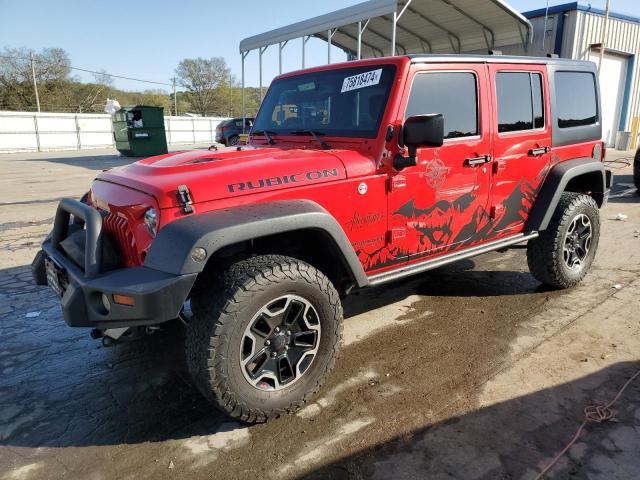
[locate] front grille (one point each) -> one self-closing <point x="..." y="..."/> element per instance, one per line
<point x="118" y="231"/>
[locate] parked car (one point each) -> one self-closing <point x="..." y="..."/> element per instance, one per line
<point x="380" y="169"/>
<point x="228" y="132"/>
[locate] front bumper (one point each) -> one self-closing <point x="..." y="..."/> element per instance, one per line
<point x="157" y="296"/>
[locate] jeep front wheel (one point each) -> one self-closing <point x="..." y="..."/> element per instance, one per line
<point x="561" y="256"/>
<point x="263" y="336"/>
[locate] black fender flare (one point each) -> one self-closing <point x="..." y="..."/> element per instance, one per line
<point x="171" y="249"/>
<point x="555" y="184"/>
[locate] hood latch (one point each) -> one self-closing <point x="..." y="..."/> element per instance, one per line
<point x="184" y="199"/>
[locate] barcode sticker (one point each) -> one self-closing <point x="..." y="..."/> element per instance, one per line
<point x="361" y="80"/>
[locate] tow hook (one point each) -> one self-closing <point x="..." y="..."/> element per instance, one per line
<point x="109" y="336"/>
<point x="151" y="329"/>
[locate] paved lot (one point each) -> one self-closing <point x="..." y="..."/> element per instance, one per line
<point x="470" y="371"/>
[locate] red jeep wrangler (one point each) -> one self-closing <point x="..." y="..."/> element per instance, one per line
<point x="354" y="175"/>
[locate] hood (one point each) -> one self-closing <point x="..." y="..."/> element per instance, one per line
<point x="230" y="172"/>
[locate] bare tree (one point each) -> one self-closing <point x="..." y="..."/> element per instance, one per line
<point x="101" y="77"/>
<point x="201" y="78"/>
<point x="51" y="67"/>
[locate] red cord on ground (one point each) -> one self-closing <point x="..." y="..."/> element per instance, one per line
<point x="592" y="414"/>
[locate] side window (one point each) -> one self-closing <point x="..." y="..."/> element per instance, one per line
<point x="454" y="95"/>
<point x="575" y="99"/>
<point x="519" y="97"/>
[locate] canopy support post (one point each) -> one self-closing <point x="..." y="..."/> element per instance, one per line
<point x="281" y="45"/>
<point x="261" y="50"/>
<point x="244" y="113"/>
<point x="361" y="29"/>
<point x="485" y="29"/>
<point x="359" y="40"/>
<point x="393" y="34"/>
<point x="305" y="39"/>
<point x="330" y="34"/>
<point x="449" y="32"/>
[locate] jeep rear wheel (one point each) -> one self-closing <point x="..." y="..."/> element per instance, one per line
<point x="563" y="253"/>
<point x="263" y="336"/>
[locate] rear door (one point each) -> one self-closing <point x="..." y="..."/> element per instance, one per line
<point x="438" y="205"/>
<point x="521" y="143"/>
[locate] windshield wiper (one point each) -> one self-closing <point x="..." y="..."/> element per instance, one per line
<point x="266" y="133"/>
<point x="315" y="135"/>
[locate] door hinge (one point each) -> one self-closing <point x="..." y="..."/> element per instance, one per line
<point x="394" y="183"/>
<point x="396" y="234"/>
<point x="498" y="166"/>
<point x="496" y="211"/>
<point x="184" y="199"/>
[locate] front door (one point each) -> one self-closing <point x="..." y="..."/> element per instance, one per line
<point x="439" y="204"/>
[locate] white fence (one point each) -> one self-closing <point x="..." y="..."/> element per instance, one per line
<point x="41" y="132"/>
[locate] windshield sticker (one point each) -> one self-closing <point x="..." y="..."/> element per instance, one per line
<point x="361" y="80"/>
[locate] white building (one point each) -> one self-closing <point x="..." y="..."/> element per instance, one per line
<point x="575" y="31"/>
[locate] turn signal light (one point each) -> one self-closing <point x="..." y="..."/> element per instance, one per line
<point x="123" y="300"/>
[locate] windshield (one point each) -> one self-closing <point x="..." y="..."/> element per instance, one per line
<point x="346" y="102"/>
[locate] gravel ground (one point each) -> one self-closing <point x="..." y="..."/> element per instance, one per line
<point x="469" y="371"/>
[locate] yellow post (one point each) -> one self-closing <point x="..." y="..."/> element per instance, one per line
<point x="634" y="132"/>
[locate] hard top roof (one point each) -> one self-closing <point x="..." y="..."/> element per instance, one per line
<point x="446" y="58"/>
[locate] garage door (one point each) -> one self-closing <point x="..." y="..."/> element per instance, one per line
<point x="613" y="74"/>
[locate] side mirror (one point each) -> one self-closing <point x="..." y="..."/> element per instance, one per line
<point x="420" y="131"/>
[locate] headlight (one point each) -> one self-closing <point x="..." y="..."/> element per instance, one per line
<point x="151" y="221"/>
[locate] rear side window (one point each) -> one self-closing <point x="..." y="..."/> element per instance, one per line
<point x="576" y="103"/>
<point x="454" y="95"/>
<point x="519" y="97"/>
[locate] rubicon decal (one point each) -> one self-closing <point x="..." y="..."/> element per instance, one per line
<point x="267" y="182"/>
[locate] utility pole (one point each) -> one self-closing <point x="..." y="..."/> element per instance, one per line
<point x="175" y="98"/>
<point x="604" y="34"/>
<point x="230" y="95"/>
<point x="35" y="83"/>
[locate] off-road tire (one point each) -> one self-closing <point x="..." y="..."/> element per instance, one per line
<point x="233" y="141"/>
<point x="223" y="309"/>
<point x="545" y="253"/>
<point x="636" y="170"/>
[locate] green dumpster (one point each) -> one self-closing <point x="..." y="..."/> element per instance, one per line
<point x="139" y="131"/>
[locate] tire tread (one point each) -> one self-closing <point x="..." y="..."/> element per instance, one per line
<point x="229" y="289"/>
<point x="544" y="254"/>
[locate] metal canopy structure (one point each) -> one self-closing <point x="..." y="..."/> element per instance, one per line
<point x="377" y="28"/>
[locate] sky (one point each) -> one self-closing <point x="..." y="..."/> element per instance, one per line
<point x="147" y="38"/>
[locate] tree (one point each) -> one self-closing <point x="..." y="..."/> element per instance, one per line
<point x="51" y="67"/>
<point x="101" y="77"/>
<point x="202" y="78"/>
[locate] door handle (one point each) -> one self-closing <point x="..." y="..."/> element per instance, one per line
<point x="534" y="152"/>
<point x="472" y="162"/>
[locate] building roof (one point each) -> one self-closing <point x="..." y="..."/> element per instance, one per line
<point x="566" y="7"/>
<point x="440" y="26"/>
